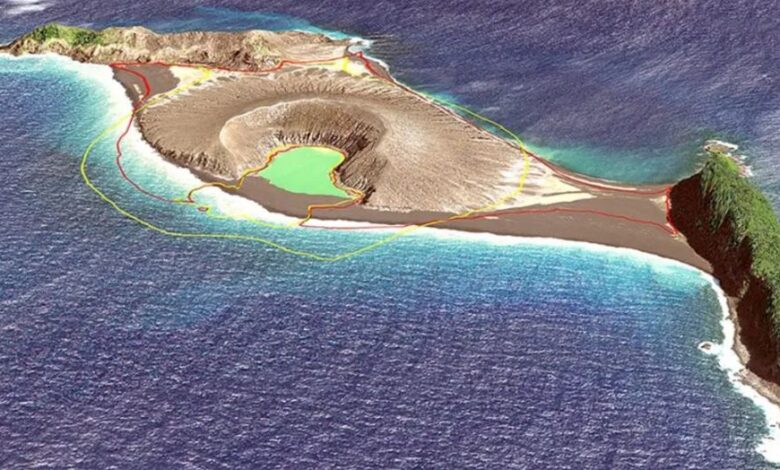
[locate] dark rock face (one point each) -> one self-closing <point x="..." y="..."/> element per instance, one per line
<point x="692" y="214"/>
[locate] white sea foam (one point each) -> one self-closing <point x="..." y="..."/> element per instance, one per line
<point x="731" y="364"/>
<point x="723" y="144"/>
<point x="239" y="206"/>
<point x="728" y="360"/>
<point x="363" y="45"/>
<point x="21" y="7"/>
<point x="360" y="43"/>
<point x="510" y="240"/>
<point x="118" y="107"/>
<point x="228" y="204"/>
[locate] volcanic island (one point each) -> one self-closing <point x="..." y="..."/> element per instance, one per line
<point x="310" y="127"/>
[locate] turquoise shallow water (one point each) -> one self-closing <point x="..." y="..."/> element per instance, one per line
<point x="124" y="347"/>
<point x="625" y="166"/>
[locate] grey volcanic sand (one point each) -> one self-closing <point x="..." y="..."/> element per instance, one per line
<point x="584" y="227"/>
<point x="160" y="80"/>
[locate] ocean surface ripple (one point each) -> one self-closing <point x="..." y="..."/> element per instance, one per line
<point x="121" y="348"/>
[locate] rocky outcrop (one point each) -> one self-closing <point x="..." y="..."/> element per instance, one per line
<point x="249" y="50"/>
<point x="693" y="213"/>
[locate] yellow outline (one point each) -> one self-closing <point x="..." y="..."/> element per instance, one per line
<point x="356" y="194"/>
<point x="401" y="232"/>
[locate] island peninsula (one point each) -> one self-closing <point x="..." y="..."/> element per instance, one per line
<point x="225" y="105"/>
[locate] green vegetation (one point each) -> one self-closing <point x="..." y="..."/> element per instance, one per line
<point x="305" y="170"/>
<point x="735" y="199"/>
<point x="70" y="34"/>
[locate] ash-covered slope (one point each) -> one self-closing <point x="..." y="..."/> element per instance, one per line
<point x="402" y="151"/>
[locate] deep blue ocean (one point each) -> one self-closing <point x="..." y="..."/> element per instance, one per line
<point x="123" y="348"/>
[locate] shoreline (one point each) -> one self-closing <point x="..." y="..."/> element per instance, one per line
<point x="607" y="217"/>
<point x="766" y="389"/>
<point x="770" y="409"/>
<point x="733" y="360"/>
<point x="769" y="391"/>
<point x="293" y="206"/>
<point x="416" y="160"/>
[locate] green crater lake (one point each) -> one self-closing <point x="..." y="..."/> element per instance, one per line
<point x="305" y="170"/>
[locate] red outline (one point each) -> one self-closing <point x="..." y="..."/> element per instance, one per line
<point x="669" y="228"/>
<point x="136" y="107"/>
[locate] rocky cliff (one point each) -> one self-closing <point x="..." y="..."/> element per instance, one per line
<point x="724" y="232"/>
